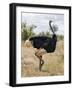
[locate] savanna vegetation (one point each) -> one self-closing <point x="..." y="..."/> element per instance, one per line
<point x="27" y="32"/>
<point x="54" y="62"/>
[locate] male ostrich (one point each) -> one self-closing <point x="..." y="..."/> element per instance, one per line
<point x="44" y="42"/>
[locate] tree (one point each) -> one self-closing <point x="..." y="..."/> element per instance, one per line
<point x="47" y="33"/>
<point x="27" y="31"/>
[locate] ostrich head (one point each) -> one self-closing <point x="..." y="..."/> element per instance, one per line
<point x="50" y="21"/>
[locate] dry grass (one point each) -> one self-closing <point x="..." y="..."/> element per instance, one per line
<point x="54" y="62"/>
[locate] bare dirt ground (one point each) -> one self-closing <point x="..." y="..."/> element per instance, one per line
<point x="53" y="66"/>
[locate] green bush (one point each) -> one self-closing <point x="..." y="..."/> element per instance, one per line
<point x="27" y="31"/>
<point x="60" y="37"/>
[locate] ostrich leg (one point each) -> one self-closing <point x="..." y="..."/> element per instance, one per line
<point x="41" y="63"/>
<point x="39" y="55"/>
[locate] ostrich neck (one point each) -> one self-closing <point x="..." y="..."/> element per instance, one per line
<point x="51" y="28"/>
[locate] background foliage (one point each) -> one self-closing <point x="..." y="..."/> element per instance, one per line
<point x="27" y="32"/>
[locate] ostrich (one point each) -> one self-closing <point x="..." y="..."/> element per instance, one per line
<point x="44" y="42"/>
